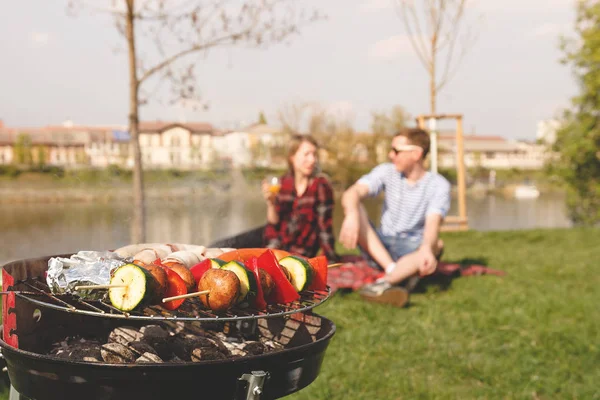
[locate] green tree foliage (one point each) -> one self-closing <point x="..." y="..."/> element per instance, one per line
<point x="262" y="119"/>
<point x="41" y="155"/>
<point x="578" y="139"/>
<point x="22" y="149"/>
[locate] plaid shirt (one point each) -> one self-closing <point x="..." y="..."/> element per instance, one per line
<point x="305" y="222"/>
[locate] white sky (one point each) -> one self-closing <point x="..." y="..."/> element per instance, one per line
<point x="55" y="67"/>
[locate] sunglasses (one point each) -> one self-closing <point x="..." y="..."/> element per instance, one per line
<point x="406" y="147"/>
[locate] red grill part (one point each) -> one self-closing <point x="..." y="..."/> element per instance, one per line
<point x="9" y="318"/>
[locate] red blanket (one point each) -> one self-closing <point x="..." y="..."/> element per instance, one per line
<point x="355" y="272"/>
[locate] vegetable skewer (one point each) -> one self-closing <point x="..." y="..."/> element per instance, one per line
<point x="185" y="296"/>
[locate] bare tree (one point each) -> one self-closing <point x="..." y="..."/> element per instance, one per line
<point x="434" y="30"/>
<point x="174" y="30"/>
<point x="384" y="123"/>
<point x="294" y="117"/>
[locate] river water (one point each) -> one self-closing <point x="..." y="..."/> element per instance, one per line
<point x="29" y="230"/>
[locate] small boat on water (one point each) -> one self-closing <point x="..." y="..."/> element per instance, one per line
<point x="526" y="192"/>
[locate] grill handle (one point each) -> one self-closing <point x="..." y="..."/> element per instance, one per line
<point x="255" y="380"/>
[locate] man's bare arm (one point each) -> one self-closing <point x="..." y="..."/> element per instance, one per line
<point x="429" y="246"/>
<point x="352" y="197"/>
<point x="349" y="233"/>
<point x="431" y="232"/>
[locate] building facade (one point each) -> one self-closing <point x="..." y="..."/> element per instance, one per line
<point x="491" y="152"/>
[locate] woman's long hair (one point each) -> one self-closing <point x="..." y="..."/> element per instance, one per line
<point x="295" y="143"/>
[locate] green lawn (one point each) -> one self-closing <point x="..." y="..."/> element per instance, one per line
<point x="532" y="334"/>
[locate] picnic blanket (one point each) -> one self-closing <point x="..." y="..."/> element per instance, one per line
<point x="356" y="272"/>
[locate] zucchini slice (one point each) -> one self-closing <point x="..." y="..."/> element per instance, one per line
<point x="216" y="263"/>
<point x="246" y="277"/>
<point x="299" y="270"/>
<point x="138" y="289"/>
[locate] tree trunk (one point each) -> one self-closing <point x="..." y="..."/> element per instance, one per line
<point x="138" y="227"/>
<point x="432" y="82"/>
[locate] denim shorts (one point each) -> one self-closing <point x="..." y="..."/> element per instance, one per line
<point x="397" y="245"/>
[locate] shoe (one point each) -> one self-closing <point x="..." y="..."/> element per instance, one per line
<point x="383" y="292"/>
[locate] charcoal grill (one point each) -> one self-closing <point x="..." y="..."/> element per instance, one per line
<point x="33" y="319"/>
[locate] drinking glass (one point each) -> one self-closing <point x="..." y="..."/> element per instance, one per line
<point x="274" y="184"/>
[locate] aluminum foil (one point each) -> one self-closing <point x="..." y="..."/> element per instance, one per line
<point x="83" y="268"/>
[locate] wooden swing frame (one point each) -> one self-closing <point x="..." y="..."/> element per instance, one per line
<point x="452" y="222"/>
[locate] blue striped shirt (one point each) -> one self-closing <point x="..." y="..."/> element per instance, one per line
<point x="406" y="205"/>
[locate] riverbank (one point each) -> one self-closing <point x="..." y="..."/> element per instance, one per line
<point x="105" y="195"/>
<point x="40" y="188"/>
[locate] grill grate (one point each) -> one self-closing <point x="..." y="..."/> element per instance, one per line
<point x="191" y="309"/>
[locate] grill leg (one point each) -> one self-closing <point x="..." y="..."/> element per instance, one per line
<point x="14" y="395"/>
<point x="256" y="380"/>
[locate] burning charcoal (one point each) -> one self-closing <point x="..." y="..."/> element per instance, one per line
<point x="139" y="348"/>
<point x="254" y="348"/>
<point x="124" y="335"/>
<point x="116" y="353"/>
<point x="229" y="338"/>
<point x="207" y="353"/>
<point x="237" y="352"/>
<point x="271" y="345"/>
<point x="86" y="353"/>
<point x="189" y="327"/>
<point x="212" y="325"/>
<point x="182" y="345"/>
<point x="195" y="328"/>
<point x="78" y="352"/>
<point x="77" y="349"/>
<point x="234" y="349"/>
<point x="157" y="337"/>
<point x="153" y="333"/>
<point x="220" y="345"/>
<point x="58" y="353"/>
<point x="148" y="358"/>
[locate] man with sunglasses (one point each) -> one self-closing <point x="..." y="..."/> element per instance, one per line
<point x="407" y="243"/>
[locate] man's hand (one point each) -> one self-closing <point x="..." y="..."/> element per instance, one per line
<point x="428" y="261"/>
<point x="349" y="230"/>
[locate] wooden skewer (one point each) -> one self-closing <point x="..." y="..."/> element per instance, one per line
<point x="185" y="296"/>
<point x="98" y="286"/>
<point x="335" y="265"/>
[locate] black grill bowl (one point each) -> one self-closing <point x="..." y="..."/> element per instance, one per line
<point x="43" y="377"/>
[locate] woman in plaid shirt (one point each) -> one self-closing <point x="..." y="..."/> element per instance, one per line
<point x="299" y="217"/>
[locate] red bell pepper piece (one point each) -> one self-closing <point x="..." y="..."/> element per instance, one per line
<point x="259" y="299"/>
<point x="199" y="269"/>
<point x="319" y="279"/>
<point x="175" y="287"/>
<point x="283" y="292"/>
